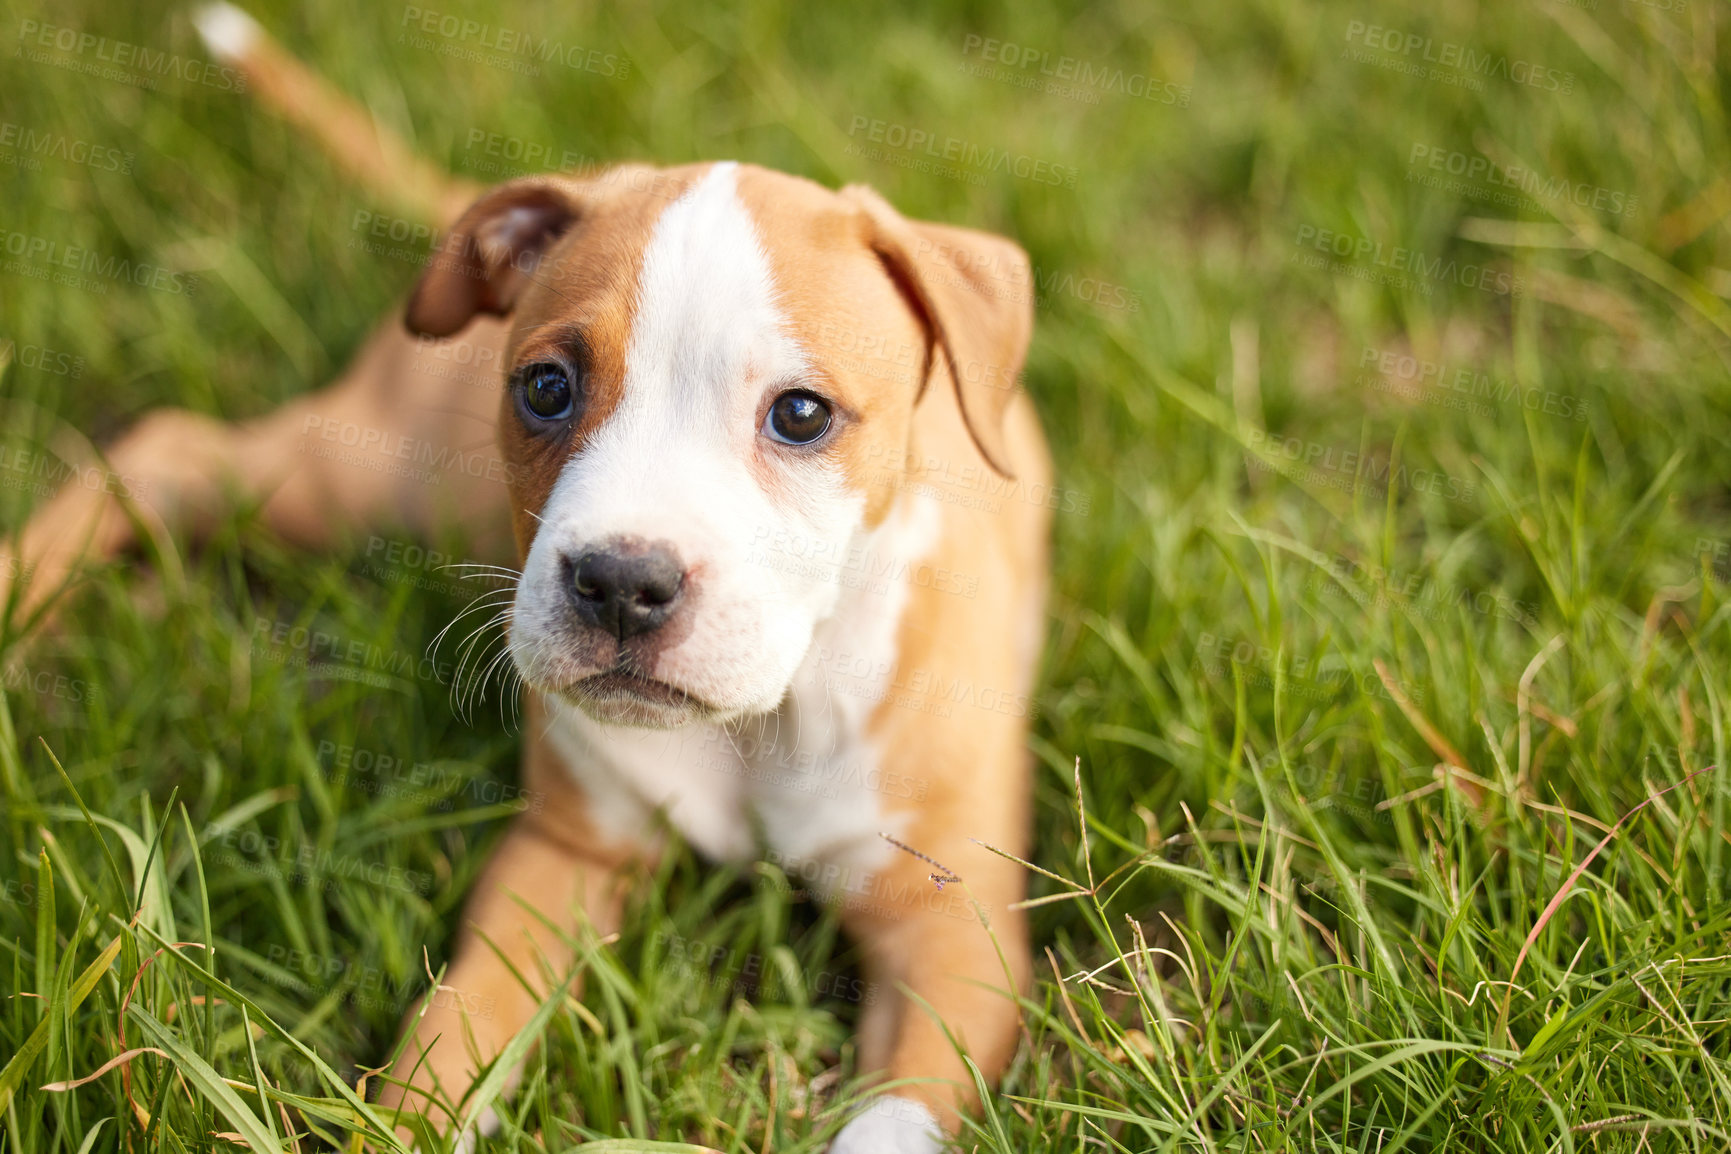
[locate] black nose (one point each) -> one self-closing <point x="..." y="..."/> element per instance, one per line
<point x="626" y="590"/>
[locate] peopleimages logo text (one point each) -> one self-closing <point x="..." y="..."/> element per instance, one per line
<point x="1462" y="58"/>
<point x="1090" y="74"/>
<point x="1392" y="365"/>
<point x="32" y="144"/>
<point x="1480" y="168"/>
<point x="956" y="151"/>
<point x="1370" y="252"/>
<point x="38" y="256"/>
<point x="512" y="43"/>
<point x="152" y="63"/>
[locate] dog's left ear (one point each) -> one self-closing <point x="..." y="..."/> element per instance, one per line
<point x="493" y="251"/>
<point x="976" y="294"/>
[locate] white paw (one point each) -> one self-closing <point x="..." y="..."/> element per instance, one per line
<point x="891" y="1125"/>
<point x="488" y="1124"/>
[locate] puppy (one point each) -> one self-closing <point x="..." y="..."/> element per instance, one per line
<point x="751" y="442"/>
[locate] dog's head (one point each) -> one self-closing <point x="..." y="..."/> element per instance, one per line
<point x="703" y="360"/>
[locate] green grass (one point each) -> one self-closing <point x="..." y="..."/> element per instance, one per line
<point x="1280" y="961"/>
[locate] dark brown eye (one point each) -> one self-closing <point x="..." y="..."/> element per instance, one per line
<point x="797" y="418"/>
<point x="546" y="391"/>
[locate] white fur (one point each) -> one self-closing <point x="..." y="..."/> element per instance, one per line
<point x="891" y="1125"/>
<point x="821" y="729"/>
<point x="228" y="32"/>
<point x="629" y="774"/>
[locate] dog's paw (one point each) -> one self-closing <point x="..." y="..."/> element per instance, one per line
<point x="486" y="1126"/>
<point x="891" y="1125"/>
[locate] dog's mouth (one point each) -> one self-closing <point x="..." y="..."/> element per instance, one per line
<point x="631" y="698"/>
<point x="626" y="683"/>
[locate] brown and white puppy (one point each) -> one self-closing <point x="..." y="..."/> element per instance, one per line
<point x="743" y="422"/>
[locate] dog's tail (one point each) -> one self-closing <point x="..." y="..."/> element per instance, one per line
<point x="382" y="162"/>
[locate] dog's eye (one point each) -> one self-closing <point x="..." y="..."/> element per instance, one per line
<point x="797" y="418"/>
<point x="546" y="391"/>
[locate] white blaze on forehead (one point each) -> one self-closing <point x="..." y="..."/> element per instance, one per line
<point x="707" y="317"/>
<point x="706" y="337"/>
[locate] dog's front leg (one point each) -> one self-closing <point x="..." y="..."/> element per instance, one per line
<point x="935" y="970"/>
<point x="553" y="872"/>
<point x="516" y="929"/>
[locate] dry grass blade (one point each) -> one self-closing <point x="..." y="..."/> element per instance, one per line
<point x="1451" y="757"/>
<point x="118" y="1059"/>
<point x="1556" y="901"/>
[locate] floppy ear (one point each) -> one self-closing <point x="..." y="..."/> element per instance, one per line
<point x="976" y="295"/>
<point x="492" y="253"/>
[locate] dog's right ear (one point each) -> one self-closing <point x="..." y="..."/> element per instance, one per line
<point x="492" y="253"/>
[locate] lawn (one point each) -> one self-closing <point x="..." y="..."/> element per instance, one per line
<point x="1386" y="356"/>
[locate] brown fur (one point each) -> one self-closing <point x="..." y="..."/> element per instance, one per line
<point x="854" y="275"/>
